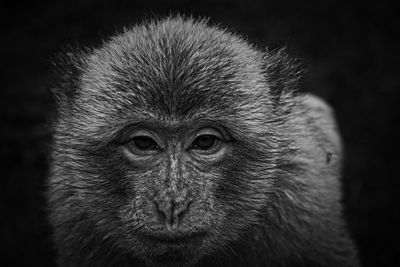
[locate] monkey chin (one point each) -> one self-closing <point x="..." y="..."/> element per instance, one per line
<point x="173" y="258"/>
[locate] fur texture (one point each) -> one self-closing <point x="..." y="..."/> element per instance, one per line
<point x="273" y="200"/>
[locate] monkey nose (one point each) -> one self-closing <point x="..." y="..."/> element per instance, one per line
<point x="171" y="212"/>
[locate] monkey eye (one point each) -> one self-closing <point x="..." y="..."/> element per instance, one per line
<point x="205" y="142"/>
<point x="144" y="143"/>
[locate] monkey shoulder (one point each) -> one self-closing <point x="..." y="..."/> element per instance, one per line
<point x="316" y="139"/>
<point x="315" y="132"/>
<point x="322" y="118"/>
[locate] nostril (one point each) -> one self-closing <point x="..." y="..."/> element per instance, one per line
<point x="162" y="211"/>
<point x="179" y="212"/>
<point x="171" y="212"/>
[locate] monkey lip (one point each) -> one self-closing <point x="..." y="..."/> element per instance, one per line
<point x="174" y="239"/>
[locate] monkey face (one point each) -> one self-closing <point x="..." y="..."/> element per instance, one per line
<point x="173" y="174"/>
<point x="176" y="189"/>
<point x="167" y="148"/>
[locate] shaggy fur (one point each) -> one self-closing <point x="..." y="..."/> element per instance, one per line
<point x="273" y="199"/>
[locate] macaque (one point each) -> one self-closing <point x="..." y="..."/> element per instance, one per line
<point x="178" y="143"/>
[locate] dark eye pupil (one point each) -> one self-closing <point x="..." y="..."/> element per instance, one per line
<point x="204" y="142"/>
<point x="145" y="143"/>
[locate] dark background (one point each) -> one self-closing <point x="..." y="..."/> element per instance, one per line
<point x="353" y="62"/>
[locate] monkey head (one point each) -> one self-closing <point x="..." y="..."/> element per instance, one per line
<point x="170" y="142"/>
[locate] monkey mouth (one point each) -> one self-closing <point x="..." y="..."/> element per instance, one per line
<point x="173" y="249"/>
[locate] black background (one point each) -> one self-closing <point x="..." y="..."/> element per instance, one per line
<point x="351" y="52"/>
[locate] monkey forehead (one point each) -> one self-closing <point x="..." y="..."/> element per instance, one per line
<point x="175" y="66"/>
